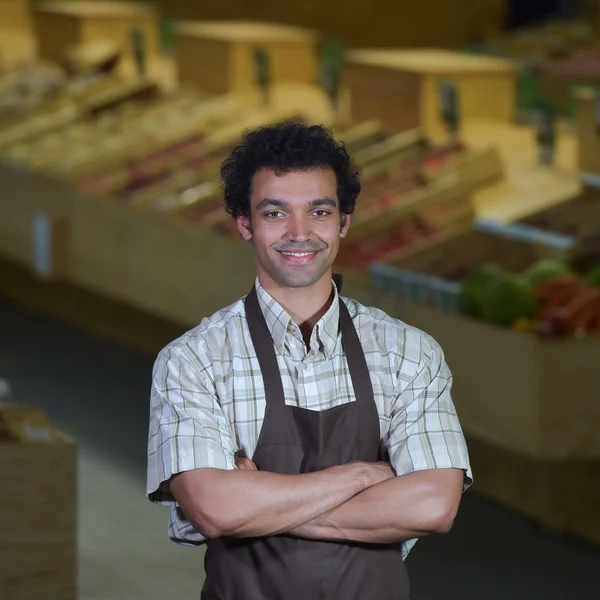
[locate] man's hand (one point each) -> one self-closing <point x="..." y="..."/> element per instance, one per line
<point x="381" y="472"/>
<point x="245" y="464"/>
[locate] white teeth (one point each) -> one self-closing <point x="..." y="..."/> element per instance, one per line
<point x="298" y="253"/>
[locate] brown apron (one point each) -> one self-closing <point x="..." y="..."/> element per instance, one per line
<point x="296" y="440"/>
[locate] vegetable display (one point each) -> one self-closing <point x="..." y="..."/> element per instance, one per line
<point x="548" y="298"/>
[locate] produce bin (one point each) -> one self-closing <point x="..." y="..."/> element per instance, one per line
<point x="528" y="403"/>
<point x="38" y="507"/>
<point x="511" y="384"/>
<point x="571" y="227"/>
<point x="432" y="275"/>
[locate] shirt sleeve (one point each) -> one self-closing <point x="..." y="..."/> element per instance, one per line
<point x="425" y="431"/>
<point x="188" y="428"/>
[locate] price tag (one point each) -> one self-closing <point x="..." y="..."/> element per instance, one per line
<point x="42" y="245"/>
<point x="49" y="246"/>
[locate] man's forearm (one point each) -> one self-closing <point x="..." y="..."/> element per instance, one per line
<point x="402" y="508"/>
<point x="253" y="503"/>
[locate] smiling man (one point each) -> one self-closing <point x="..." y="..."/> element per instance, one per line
<point x="306" y="439"/>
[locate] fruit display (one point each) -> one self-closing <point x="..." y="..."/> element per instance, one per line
<point x="548" y="298"/>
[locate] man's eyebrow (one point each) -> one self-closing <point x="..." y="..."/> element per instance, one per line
<point x="324" y="202"/>
<point x="270" y="202"/>
<point x="274" y="202"/>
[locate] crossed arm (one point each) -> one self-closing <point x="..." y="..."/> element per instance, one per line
<point x="358" y="502"/>
<point x="362" y="502"/>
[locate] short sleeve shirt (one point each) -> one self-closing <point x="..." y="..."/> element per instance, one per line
<point x="208" y="398"/>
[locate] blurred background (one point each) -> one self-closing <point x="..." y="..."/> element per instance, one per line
<point x="476" y="125"/>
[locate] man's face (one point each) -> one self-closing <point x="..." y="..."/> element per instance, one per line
<point x="295" y="226"/>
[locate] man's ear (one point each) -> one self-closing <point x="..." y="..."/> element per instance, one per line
<point x="345" y="225"/>
<point x="244" y="227"/>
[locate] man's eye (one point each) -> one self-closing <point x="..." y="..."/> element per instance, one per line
<point x="322" y="213"/>
<point x="273" y="213"/>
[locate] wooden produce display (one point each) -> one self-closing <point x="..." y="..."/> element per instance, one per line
<point x="93" y="190"/>
<point x="219" y="57"/>
<point x="62" y="25"/>
<point x="527" y="400"/>
<point x="396" y="219"/>
<point x="528" y="407"/>
<point x="59" y="136"/>
<point x="38" y="507"/>
<point x="401" y="87"/>
<point x="510" y="381"/>
<point x="571" y="228"/>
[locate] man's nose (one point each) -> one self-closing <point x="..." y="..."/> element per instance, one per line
<point x="298" y="229"/>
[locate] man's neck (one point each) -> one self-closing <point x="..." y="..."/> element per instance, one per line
<point x="306" y="305"/>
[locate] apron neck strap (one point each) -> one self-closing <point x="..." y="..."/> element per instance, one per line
<point x="265" y="352"/>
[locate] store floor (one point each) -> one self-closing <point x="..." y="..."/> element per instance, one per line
<point x="98" y="392"/>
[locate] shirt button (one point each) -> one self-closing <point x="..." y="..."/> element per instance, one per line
<point x="304" y="366"/>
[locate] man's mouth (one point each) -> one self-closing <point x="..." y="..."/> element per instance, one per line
<point x="298" y="257"/>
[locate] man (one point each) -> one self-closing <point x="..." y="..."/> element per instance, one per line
<point x="308" y="439"/>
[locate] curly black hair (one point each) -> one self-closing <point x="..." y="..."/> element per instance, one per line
<point x="287" y="147"/>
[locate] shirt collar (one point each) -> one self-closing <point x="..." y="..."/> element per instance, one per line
<point x="280" y="323"/>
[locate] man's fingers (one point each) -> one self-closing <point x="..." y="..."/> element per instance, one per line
<point x="245" y="464"/>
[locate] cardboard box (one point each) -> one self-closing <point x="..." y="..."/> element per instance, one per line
<point x="218" y="56"/>
<point x="38" y="507"/>
<point x="400" y="87"/>
<point x="60" y="26"/>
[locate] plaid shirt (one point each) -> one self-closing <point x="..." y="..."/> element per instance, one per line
<point x="208" y="400"/>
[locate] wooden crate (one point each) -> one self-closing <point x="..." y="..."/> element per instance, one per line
<point x="38" y="508"/>
<point x="400" y="87"/>
<point x="62" y="25"/>
<point x="533" y="397"/>
<point x="218" y="56"/>
<point x="560" y="495"/>
<point x="431" y="275"/>
<point x="571" y="228"/>
<point x="154" y="264"/>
